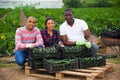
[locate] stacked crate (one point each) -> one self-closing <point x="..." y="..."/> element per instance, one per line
<point x="91" y="62"/>
<point x="53" y="65"/>
<point x="55" y="59"/>
<point x="36" y="56"/>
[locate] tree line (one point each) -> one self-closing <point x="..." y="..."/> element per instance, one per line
<point x="90" y="3"/>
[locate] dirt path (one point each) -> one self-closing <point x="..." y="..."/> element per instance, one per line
<point x="4" y="16"/>
<point x="22" y="18"/>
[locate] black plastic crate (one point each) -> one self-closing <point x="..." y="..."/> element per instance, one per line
<point x="91" y="62"/>
<point x="74" y="51"/>
<point x="35" y="63"/>
<point x="59" y="52"/>
<point x="50" y="52"/>
<point x="53" y="65"/>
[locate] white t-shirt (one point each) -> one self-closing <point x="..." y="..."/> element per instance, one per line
<point x="76" y="32"/>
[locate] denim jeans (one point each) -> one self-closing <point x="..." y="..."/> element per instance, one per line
<point x="94" y="49"/>
<point x="20" y="57"/>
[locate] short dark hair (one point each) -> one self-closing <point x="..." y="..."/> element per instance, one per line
<point x="68" y="9"/>
<point x="49" y="18"/>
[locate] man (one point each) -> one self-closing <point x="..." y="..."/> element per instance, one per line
<point x="26" y="37"/>
<point x="76" y="32"/>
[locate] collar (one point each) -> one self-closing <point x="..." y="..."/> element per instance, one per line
<point x="47" y="31"/>
<point x="69" y="25"/>
<point x="26" y="29"/>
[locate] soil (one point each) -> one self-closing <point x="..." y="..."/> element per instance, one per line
<point x="22" y="18"/>
<point x="11" y="71"/>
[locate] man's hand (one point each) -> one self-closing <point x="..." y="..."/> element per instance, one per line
<point x="29" y="46"/>
<point x="88" y="44"/>
<point x="80" y="43"/>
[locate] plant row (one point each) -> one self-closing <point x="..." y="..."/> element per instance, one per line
<point x="3" y="12"/>
<point x="97" y="18"/>
<point x="8" y="25"/>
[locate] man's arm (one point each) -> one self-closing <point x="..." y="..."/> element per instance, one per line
<point x="18" y="40"/>
<point x="39" y="40"/>
<point x="67" y="43"/>
<point x="88" y="35"/>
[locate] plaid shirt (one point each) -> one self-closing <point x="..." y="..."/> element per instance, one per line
<point x="50" y="40"/>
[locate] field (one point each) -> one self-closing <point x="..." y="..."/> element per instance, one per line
<point x="97" y="19"/>
<point x="10" y="20"/>
<point x="10" y="71"/>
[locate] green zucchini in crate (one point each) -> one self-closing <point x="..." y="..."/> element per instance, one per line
<point x="91" y="62"/>
<point x="49" y="52"/>
<point x="59" y="52"/>
<point x="75" y="51"/>
<point x="35" y="63"/>
<point x="54" y="65"/>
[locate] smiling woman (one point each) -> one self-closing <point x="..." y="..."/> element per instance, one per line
<point x="51" y="37"/>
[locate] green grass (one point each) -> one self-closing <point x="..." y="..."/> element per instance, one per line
<point x="7" y="62"/>
<point x="2" y="65"/>
<point x="115" y="60"/>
